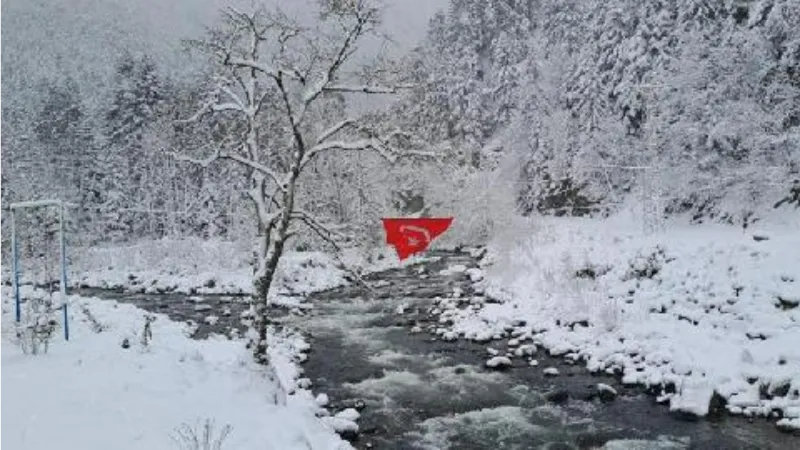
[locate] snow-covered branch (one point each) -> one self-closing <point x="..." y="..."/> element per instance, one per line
<point x="255" y="165"/>
<point x="270" y="71"/>
<point x="366" y="89"/>
<point x="200" y="162"/>
<point x="345" y="50"/>
<point x="330" y="132"/>
<point x="373" y="144"/>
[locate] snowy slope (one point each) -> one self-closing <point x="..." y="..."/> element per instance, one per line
<point x="700" y="309"/>
<point x="90" y="393"/>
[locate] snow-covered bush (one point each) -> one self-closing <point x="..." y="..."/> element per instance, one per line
<point x="481" y="206"/>
<point x="36" y="330"/>
<point x="203" y="436"/>
<point x="147" y="330"/>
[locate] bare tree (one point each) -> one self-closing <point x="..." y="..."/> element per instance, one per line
<point x="275" y="77"/>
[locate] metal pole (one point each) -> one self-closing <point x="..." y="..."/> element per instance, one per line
<point x="15" y="266"/>
<point x="63" y="271"/>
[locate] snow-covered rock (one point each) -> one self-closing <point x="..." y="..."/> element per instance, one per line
<point x="498" y="362"/>
<point x="211" y="320"/>
<point x="345" y="428"/>
<point x="693" y="399"/>
<point x="525" y="350"/>
<point x="550" y="371"/>
<point x="349" y="414"/>
<point x="475" y="274"/>
<point x="605" y="392"/>
<point x="322" y="400"/>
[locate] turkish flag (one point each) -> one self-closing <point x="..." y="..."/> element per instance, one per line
<point x="410" y="236"/>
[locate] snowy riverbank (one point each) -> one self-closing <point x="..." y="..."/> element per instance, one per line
<point x="691" y="311"/>
<point x="212" y="267"/>
<point x="91" y="393"/>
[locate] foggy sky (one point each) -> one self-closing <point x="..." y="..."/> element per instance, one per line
<point x="82" y="38"/>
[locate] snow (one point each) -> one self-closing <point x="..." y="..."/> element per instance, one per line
<point x="700" y="307"/>
<point x="498" y="362"/>
<point x="322" y="400"/>
<point x="602" y="387"/>
<point x="340" y="425"/>
<point x="90" y="393"/>
<point x="349" y="414"/>
<point x="550" y="371"/>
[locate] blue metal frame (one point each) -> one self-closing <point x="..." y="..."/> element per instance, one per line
<point x="15" y="267"/>
<point x="64" y="273"/>
<point x="15" y="259"/>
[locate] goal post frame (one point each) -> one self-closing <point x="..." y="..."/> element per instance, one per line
<point x="62" y="254"/>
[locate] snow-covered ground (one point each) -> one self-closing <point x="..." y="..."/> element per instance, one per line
<point x="703" y="308"/>
<point x="91" y="393"/>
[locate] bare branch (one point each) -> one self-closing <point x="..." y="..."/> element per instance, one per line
<point x="344" y="52"/>
<point x="367" y="89"/>
<point x="324" y="231"/>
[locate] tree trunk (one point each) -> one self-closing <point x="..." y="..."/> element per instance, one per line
<point x="270" y="254"/>
<point x="268" y="264"/>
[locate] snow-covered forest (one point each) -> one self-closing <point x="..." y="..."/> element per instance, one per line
<point x="594" y="154"/>
<point x="577" y="94"/>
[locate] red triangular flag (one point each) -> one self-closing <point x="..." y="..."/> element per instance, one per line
<point x="410" y="236"/>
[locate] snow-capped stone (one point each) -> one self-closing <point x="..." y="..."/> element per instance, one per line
<point x="457" y="268"/>
<point x="450" y="336"/>
<point x="525" y="350"/>
<point x="301" y="346"/>
<point x="513" y="342"/>
<point x="202" y="307"/>
<point x="498" y="362"/>
<point x="416" y="329"/>
<point x="484" y="336"/>
<point x="345" y="428"/>
<point x="694" y="400"/>
<point x="322" y="399"/>
<point x="211" y="320"/>
<point x="304" y="383"/>
<point x="226" y="312"/>
<point x="551" y="372"/>
<point x="533" y="363"/>
<point x="348" y="414"/>
<point x="605" y="392"/>
<point x="492" y="351"/>
<point x="475" y="274"/>
<point x="401" y="309"/>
